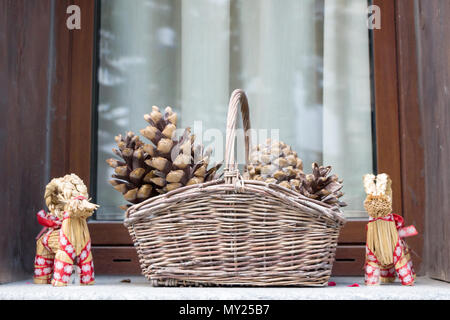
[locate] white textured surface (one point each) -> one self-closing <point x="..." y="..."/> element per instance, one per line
<point x="111" y="287"/>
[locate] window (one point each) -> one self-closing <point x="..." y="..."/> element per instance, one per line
<point x="74" y="127"/>
<point x="305" y="66"/>
<point x="113" y="248"/>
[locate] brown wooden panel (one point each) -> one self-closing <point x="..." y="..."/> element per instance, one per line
<point x="60" y="124"/>
<point x="25" y="52"/>
<point x="109" y="233"/>
<point x="72" y="92"/>
<point x="412" y="152"/>
<point x="116" y="260"/>
<point x="386" y="99"/>
<point x="124" y="260"/>
<point x="81" y="92"/>
<point x="353" y="232"/>
<point x="23" y="144"/>
<point x="434" y="92"/>
<point x="349" y="261"/>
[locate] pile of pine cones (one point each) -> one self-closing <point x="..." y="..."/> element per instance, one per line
<point x="276" y="162"/>
<point x="167" y="163"/>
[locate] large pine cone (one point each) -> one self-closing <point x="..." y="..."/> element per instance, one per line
<point x="322" y="186"/>
<point x="276" y="162"/>
<point x="147" y="170"/>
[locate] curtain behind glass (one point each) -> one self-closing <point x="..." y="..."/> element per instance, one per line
<point x="277" y="60"/>
<point x="303" y="75"/>
<point x="347" y="143"/>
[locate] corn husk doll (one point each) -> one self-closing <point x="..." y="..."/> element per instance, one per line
<point x="387" y="254"/>
<point x="65" y="241"/>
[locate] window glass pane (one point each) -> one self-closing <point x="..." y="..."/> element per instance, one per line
<point x="305" y="66"/>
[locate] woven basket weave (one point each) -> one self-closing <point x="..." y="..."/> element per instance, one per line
<point x="235" y="232"/>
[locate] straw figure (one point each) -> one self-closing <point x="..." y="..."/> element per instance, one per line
<point x="386" y="252"/>
<point x="65" y="240"/>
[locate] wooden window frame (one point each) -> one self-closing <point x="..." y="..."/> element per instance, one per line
<point x="397" y="121"/>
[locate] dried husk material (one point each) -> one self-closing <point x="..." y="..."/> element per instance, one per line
<point x="53" y="241"/>
<point x="382" y="235"/>
<point x="235" y="232"/>
<point x="69" y="194"/>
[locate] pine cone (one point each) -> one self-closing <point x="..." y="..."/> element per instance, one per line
<point x="174" y="163"/>
<point x="130" y="171"/>
<point x="276" y="162"/>
<point x="321" y="186"/>
<point x="164" y="165"/>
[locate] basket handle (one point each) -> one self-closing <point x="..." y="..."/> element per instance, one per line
<point x="237" y="97"/>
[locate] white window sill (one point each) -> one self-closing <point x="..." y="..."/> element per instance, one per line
<point x="111" y="287"/>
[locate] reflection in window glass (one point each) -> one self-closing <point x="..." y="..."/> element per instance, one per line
<point x="304" y="65"/>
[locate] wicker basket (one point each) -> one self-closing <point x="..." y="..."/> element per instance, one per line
<point x="235" y="232"/>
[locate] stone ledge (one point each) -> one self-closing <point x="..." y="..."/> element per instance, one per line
<point x="112" y="287"/>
